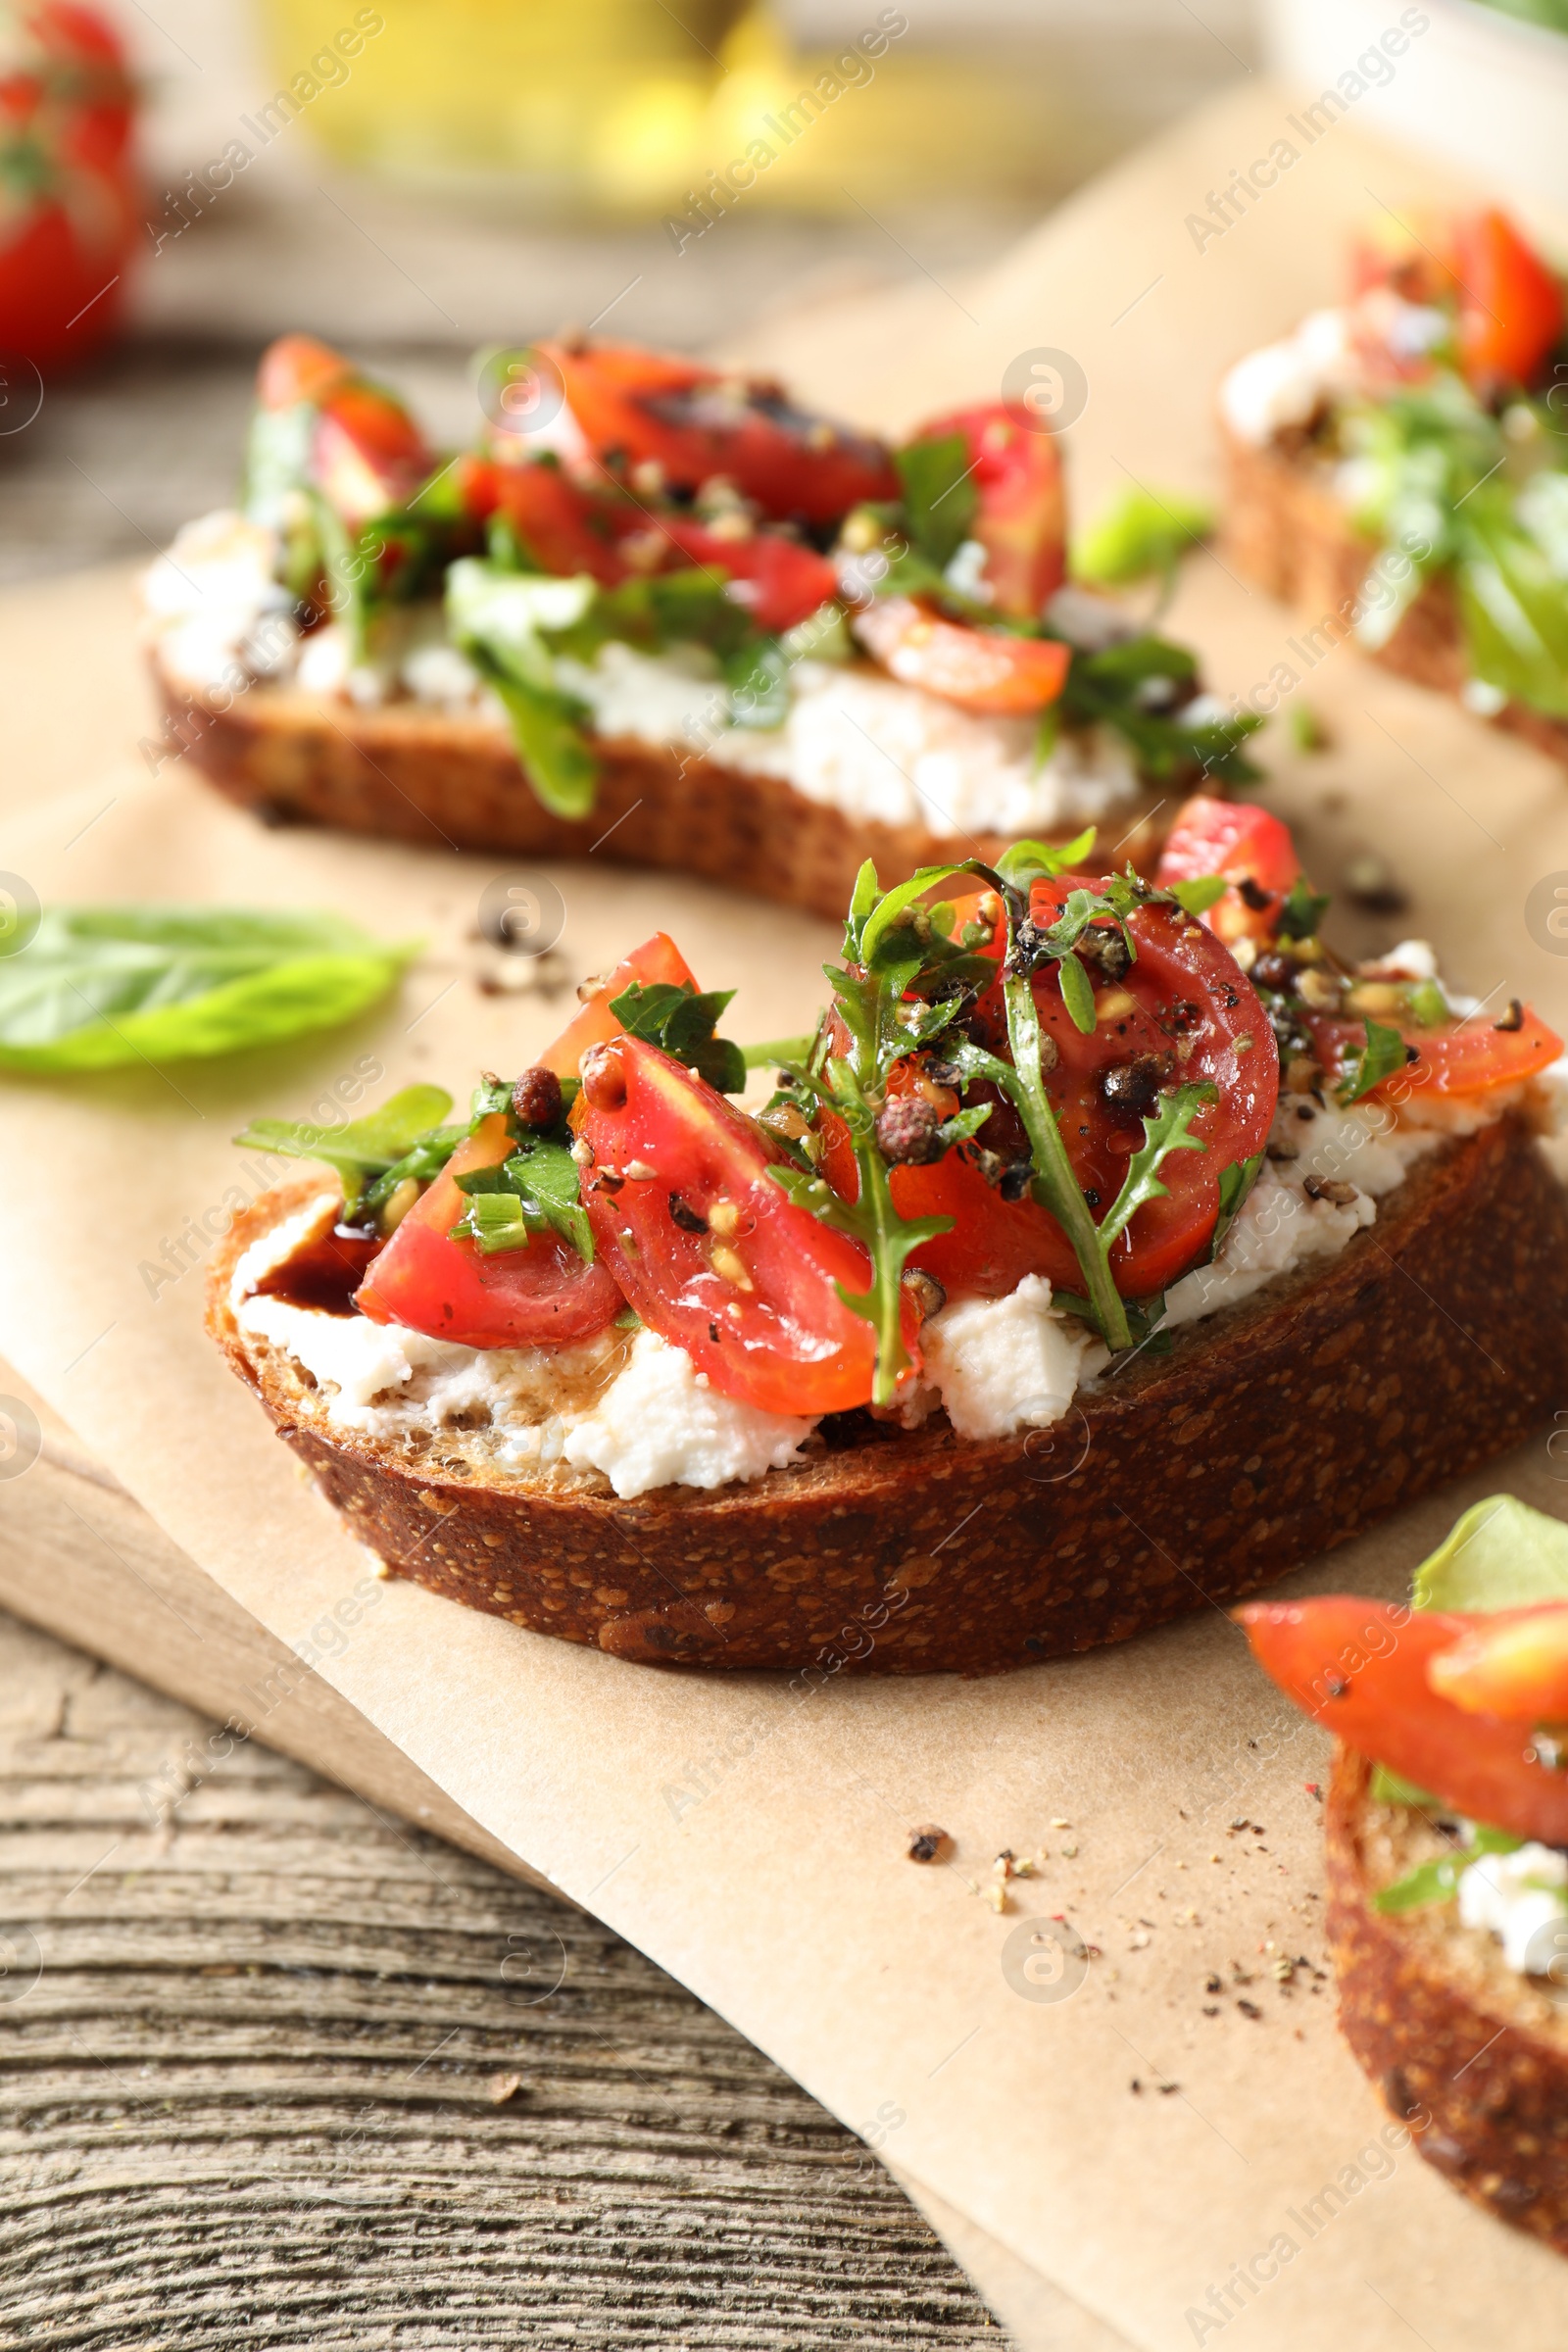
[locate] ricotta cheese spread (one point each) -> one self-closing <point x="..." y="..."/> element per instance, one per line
<point x="1522" y="1898"/>
<point x="1283" y="384"/>
<point x="852" y="738"/>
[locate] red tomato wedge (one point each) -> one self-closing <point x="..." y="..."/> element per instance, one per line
<point x="539" y="1296"/>
<point x="1021" y="520"/>
<point x="752" y="1293"/>
<point x="982" y="669"/>
<point x="297" y="367"/>
<point x="563" y="528"/>
<point x="1510" y="303"/>
<point x="637" y="407"/>
<point x="1246" y="844"/>
<point x="1186" y="1004"/>
<point x="656" y="959"/>
<point x="1359" y="1668"/>
<point x="1513" y="1663"/>
<point x="1467" y="1059"/>
<point x="368" y="453"/>
<point x="777" y="581"/>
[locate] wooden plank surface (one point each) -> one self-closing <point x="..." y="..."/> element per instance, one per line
<point x="277" y="2068"/>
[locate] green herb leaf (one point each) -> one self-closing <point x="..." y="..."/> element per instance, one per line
<point x="99" y="987"/>
<point x="540" y="1183"/>
<point x="1077" y="994"/>
<point x="1303" y="910"/>
<point x="1500" y="1556"/>
<point x="1391" y="1788"/>
<point x="775" y="1048"/>
<point x="1197" y="897"/>
<point x="1112" y="688"/>
<point x="940" y="498"/>
<point x="674" y="1017"/>
<point x="1383" y="1053"/>
<point x="1439" y="1881"/>
<point x="362" y="1147"/>
<point x="1140" y="534"/>
<point x="757" y="676"/>
<point x="1165" y="1131"/>
<point x="501" y="619"/>
<point x="1235" y="1184"/>
<point x="1024" y="859"/>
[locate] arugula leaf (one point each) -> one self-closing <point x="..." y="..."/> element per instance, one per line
<point x="1166" y="1131"/>
<point x="940" y="496"/>
<point x="1439" y="1881"/>
<point x="671" y="1015"/>
<point x="1140" y="534"/>
<point x="1303" y="910"/>
<point x="1112" y="688"/>
<point x="99" y="987"/>
<point x="1021" y="862"/>
<point x="1197" y="897"/>
<point x="887" y="1238"/>
<point x="775" y="1048"/>
<point x="537" y="1190"/>
<point x="1077" y="994"/>
<point x="1383" y="1053"/>
<point x="1235" y="1183"/>
<point x="362" y="1147"/>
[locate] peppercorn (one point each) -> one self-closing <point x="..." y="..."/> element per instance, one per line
<point x="906" y="1132"/>
<point x="1104" y="948"/>
<point x="603" y="1078"/>
<point x="536" y="1098"/>
<point x="1130" y="1089"/>
<point x="1274" y="970"/>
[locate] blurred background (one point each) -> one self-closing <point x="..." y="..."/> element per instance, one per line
<point x="448" y="173"/>
<point x="181" y="181"/>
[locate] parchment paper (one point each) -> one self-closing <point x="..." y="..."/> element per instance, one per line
<point x="1133" y="2136"/>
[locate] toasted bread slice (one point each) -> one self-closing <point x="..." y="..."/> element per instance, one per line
<point x="1285" y="528"/>
<point x="1468" y="2052"/>
<point x="452" y="779"/>
<point x="1283" y="1425"/>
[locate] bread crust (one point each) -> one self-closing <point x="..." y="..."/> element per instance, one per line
<point x="1285" y="528"/>
<point x="1459" y="2045"/>
<point x="452" y="780"/>
<point x="1275" y="1430"/>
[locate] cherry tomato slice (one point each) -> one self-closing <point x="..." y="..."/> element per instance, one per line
<point x="1360" y="1669"/>
<point x="752" y="1293"/>
<point x="777" y="581"/>
<point x="656" y="959"/>
<point x="1243" y="842"/>
<point x="1510" y="303"/>
<point x="637" y="407"/>
<point x="1183" y="1011"/>
<point x="563" y="527"/>
<point x="1512" y="1663"/>
<point x="1021" y="520"/>
<point x="540" y="1296"/>
<point x="1465" y="1059"/>
<point x="982" y="669"/>
<point x="367" y="453"/>
<point x="297" y="367"/>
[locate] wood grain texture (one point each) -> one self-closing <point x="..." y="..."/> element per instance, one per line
<point x="276" y="2068"/>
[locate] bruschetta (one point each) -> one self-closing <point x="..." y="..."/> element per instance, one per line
<point x="659" y="613"/>
<point x="1398" y="473"/>
<point x="1107" y="1248"/>
<point x="1447" y="1846"/>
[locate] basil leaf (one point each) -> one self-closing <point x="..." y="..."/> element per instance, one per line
<point x="552" y="747"/>
<point x="1500" y="1556"/>
<point x="1383" y="1055"/>
<point x="671" y="1015"/>
<point x="368" y="1147"/>
<point x="940" y="496"/>
<point x="757" y="677"/>
<point x="1140" y="534"/>
<point x="100" y="987"/>
<point x="1197" y="897"/>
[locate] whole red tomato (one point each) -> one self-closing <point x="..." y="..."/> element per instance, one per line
<point x="69" y="213"/>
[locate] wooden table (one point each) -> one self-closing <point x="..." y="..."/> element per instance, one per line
<point x="297" y="2073"/>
